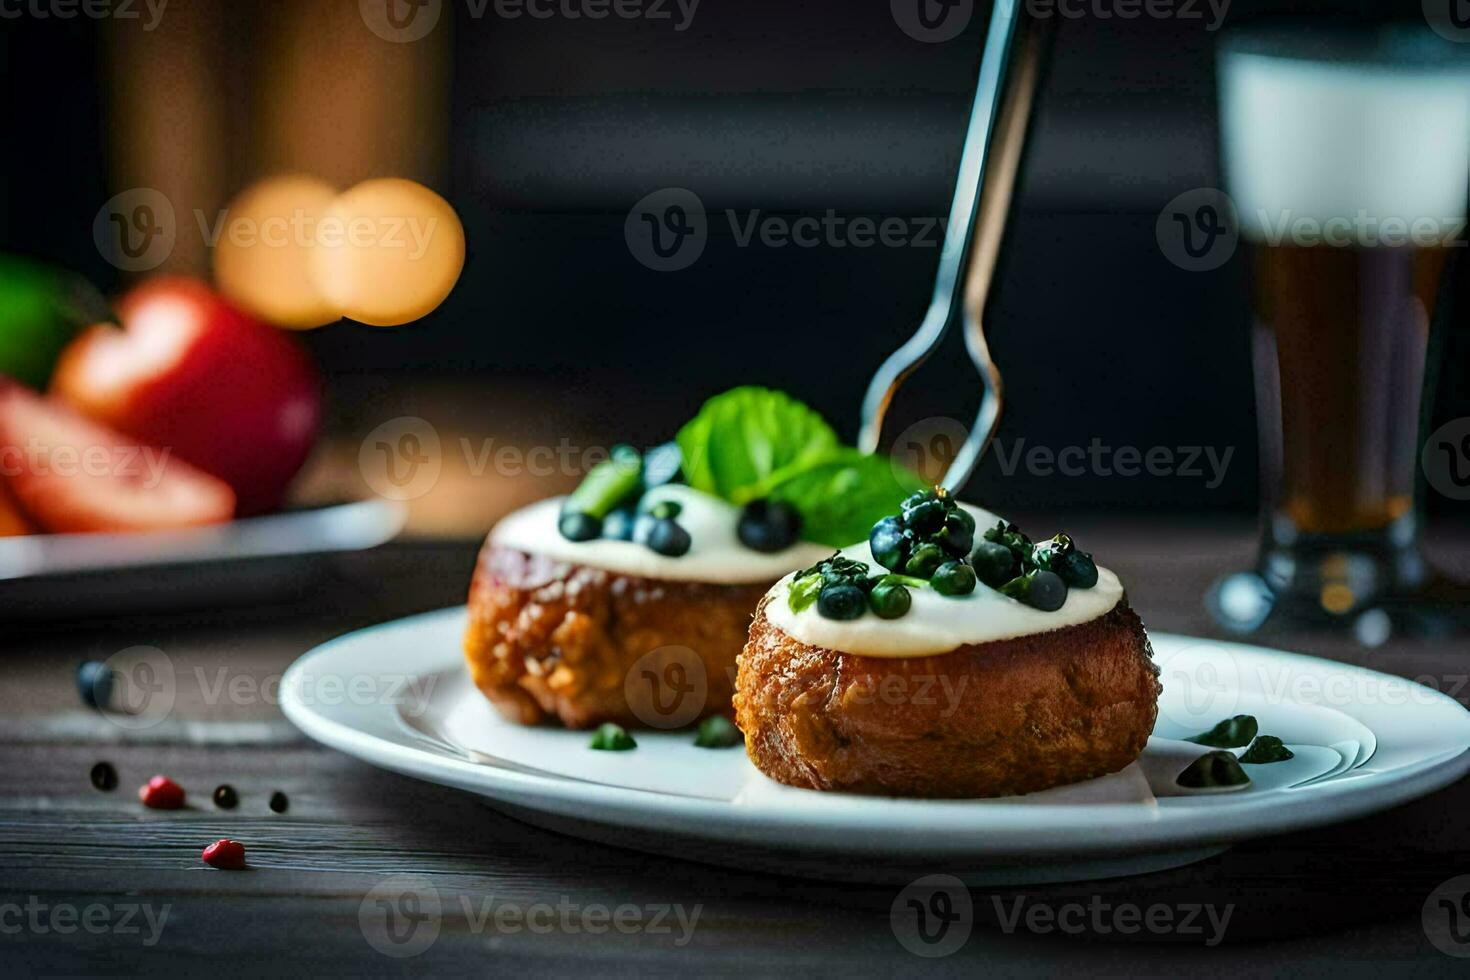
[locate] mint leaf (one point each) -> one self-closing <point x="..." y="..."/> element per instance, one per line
<point x="746" y="439"/>
<point x="842" y="495"/>
<point x="804" y="591"/>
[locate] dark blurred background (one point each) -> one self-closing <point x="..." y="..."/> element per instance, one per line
<point x="544" y="133"/>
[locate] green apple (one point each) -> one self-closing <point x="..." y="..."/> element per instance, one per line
<point x="41" y="309"/>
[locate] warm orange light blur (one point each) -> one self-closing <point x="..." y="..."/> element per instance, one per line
<point x="388" y="251"/>
<point x="261" y="255"/>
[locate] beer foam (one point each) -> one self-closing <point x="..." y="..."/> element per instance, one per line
<point x="1366" y="146"/>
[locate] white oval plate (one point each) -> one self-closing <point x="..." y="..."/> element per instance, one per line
<point x="398" y="696"/>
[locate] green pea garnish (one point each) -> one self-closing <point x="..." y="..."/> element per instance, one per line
<point x="954" y="578"/>
<point x="718" y="732"/>
<point x="611" y="737"/>
<point x="889" y="600"/>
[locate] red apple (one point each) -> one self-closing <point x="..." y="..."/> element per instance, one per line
<point x="217" y="387"/>
<point x="74" y="476"/>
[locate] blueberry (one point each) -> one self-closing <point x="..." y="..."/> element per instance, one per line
<point x="843" y="571"/>
<point x="225" y="797"/>
<point x="994" y="563"/>
<point x="1039" y="589"/>
<point x="1048" y="591"/>
<point x="1077" y="569"/>
<point x="925" y="559"/>
<point x="954" y="578"/>
<point x="888" y="545"/>
<point x="925" y="517"/>
<point x="94" y="683"/>
<point x="661" y="465"/>
<point x="889" y="600"/>
<point x="619" y="525"/>
<point x="842" y="602"/>
<point x="643" y="526"/>
<point x="578" y="526"/>
<point x="964" y="517"/>
<point x="954" y="537"/>
<point x="278" y="802"/>
<point x="668" y="538"/>
<point x="769" y="525"/>
<point x="916" y="498"/>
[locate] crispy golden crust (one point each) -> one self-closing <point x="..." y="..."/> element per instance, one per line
<point x="548" y="639"/>
<point x="995" y="719"/>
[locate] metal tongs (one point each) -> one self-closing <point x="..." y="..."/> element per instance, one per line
<point x="1010" y="69"/>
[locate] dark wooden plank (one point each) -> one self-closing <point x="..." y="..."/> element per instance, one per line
<point x="1311" y="900"/>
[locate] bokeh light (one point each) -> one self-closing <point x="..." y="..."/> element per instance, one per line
<point x="388" y="251"/>
<point x="261" y="256"/>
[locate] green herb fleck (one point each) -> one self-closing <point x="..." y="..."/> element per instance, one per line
<point x="1231" y="733"/>
<point x="1265" y="750"/>
<point x="804" y="591"/>
<point x="1213" y="770"/>
<point x="895" y="579"/>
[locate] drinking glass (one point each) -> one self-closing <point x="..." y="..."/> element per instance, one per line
<point x="1347" y="158"/>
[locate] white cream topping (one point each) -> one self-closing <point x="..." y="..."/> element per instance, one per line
<point x="935" y="623"/>
<point x="715" y="555"/>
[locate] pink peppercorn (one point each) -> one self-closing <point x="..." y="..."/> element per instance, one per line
<point x="226" y="854"/>
<point x="162" y="793"/>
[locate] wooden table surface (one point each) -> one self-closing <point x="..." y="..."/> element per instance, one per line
<point x="92" y="882"/>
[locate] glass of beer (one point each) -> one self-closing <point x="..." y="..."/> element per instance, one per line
<point x="1347" y="159"/>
